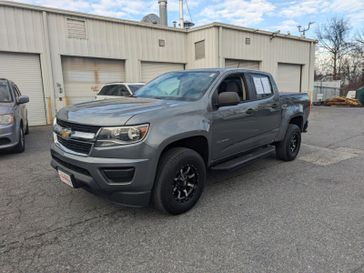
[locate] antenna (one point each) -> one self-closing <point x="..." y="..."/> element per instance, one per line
<point x="274" y="34"/>
<point x="303" y="30"/>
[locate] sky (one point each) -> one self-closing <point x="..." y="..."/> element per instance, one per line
<point x="272" y="15"/>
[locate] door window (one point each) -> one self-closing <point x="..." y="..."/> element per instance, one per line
<point x="263" y="87"/>
<point x="234" y="83"/>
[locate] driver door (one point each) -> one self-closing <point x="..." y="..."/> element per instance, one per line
<point x="233" y="126"/>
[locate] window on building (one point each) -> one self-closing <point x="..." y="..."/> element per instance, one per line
<point x="76" y="28"/>
<point x="162" y="43"/>
<point x="200" y="50"/>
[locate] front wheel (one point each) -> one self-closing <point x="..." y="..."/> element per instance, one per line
<point x="27" y="128"/>
<point x="289" y="147"/>
<point x="20" y="147"/>
<point x="180" y="181"/>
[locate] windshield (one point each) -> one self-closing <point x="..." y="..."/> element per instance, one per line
<point x="135" y="87"/>
<point x="178" y="86"/>
<point x="5" y="95"/>
<point x="114" y="90"/>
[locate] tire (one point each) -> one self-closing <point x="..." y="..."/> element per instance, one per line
<point x="27" y="129"/>
<point x="180" y="181"/>
<point x="20" y="147"/>
<point x="289" y="147"/>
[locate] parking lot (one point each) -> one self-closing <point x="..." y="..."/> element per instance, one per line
<point x="270" y="216"/>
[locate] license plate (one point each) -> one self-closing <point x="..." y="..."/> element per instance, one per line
<point x="65" y="178"/>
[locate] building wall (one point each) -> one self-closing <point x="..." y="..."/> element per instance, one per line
<point x="114" y="40"/>
<point x="270" y="52"/>
<point x="210" y="36"/>
<point x="22" y="31"/>
<point x="29" y="29"/>
<point x="45" y="33"/>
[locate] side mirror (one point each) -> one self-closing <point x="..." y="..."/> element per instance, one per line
<point x="23" y="99"/>
<point x="228" y="98"/>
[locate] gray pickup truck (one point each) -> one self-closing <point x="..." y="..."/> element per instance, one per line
<point x="155" y="147"/>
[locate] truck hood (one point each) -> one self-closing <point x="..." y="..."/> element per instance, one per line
<point x="113" y="112"/>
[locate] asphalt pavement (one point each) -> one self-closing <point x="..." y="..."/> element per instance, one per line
<point x="270" y="216"/>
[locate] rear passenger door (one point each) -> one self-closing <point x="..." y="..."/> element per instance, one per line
<point x="267" y="108"/>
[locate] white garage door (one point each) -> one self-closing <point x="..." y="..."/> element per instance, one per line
<point x="150" y="70"/>
<point x="232" y="63"/>
<point x="83" y="77"/>
<point x="24" y="71"/>
<point x="289" y="77"/>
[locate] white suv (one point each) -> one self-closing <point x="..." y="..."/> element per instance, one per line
<point x="116" y="89"/>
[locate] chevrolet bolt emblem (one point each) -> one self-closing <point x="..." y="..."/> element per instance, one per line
<point x="65" y="133"/>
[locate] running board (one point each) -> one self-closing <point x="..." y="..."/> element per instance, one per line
<point x="242" y="160"/>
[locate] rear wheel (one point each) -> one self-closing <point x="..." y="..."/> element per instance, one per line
<point x="289" y="147"/>
<point x="180" y="181"/>
<point x="20" y="147"/>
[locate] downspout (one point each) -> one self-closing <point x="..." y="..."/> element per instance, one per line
<point x="311" y="67"/>
<point x="51" y="105"/>
<point x="220" y="47"/>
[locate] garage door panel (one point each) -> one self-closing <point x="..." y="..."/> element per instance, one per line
<point x="151" y="70"/>
<point x="24" y="70"/>
<point x="289" y="77"/>
<point x="234" y="63"/>
<point x="83" y="77"/>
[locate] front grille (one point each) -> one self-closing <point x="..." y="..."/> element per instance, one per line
<point x="78" y="127"/>
<point x="75" y="145"/>
<point x="68" y="165"/>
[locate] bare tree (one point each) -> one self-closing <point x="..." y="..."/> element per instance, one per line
<point x="360" y="38"/>
<point x="333" y="38"/>
<point x="352" y="65"/>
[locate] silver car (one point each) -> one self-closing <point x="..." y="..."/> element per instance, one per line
<point x="13" y="117"/>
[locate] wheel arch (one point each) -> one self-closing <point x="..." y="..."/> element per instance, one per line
<point x="198" y="143"/>
<point x="297" y="120"/>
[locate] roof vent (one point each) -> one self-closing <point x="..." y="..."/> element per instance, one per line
<point x="152" y="19"/>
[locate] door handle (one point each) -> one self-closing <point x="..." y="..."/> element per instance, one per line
<point x="275" y="105"/>
<point x="250" y="111"/>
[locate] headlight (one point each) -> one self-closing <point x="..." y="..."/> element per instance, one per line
<point x="7" y="119"/>
<point x="112" y="136"/>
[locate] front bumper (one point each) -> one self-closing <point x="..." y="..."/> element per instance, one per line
<point x="124" y="181"/>
<point x="8" y="136"/>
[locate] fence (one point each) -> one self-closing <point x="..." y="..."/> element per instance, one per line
<point x="321" y="93"/>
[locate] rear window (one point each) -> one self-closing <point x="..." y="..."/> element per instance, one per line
<point x="135" y="87"/>
<point x="5" y="95"/>
<point x="114" y="90"/>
